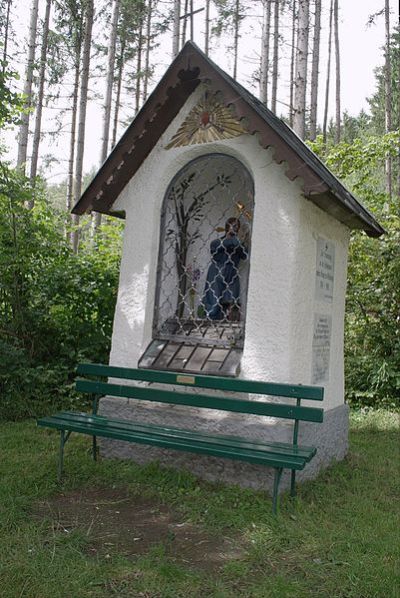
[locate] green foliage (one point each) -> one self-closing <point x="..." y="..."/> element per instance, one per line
<point x="378" y="99"/>
<point x="229" y="12"/>
<point x="372" y="331"/>
<point x="11" y="103"/>
<point x="56" y="308"/>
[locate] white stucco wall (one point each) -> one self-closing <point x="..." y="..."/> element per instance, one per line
<point x="280" y="304"/>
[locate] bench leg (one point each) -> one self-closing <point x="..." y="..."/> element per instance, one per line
<point x="277" y="479"/>
<point x="94" y="448"/>
<point x="61" y="457"/>
<point x="293" y="484"/>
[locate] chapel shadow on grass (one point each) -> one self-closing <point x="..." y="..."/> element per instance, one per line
<point x="121" y="522"/>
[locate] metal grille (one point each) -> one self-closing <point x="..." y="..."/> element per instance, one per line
<point x="204" y="254"/>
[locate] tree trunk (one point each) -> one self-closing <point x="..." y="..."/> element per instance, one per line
<point x="275" y="70"/>
<point x="388" y="97"/>
<point x="337" y="62"/>
<point x="6" y="31"/>
<point x="139" y="64"/>
<point x="110" y="80"/>
<point x="292" y="59"/>
<point x="299" y="119"/>
<point x="398" y="126"/>
<point x="264" y="67"/>
<point x="328" y="74"/>
<point x="315" y="71"/>
<point x="24" y="127"/>
<point x="207" y="32"/>
<point x="118" y="93"/>
<point x="176" y="24"/>
<point x="70" y="177"/>
<point x="80" y="144"/>
<point x="96" y="216"/>
<point x="236" y="38"/>
<point x="148" y="48"/>
<point x="39" y="104"/>
<point x="191" y="21"/>
<point x="184" y="22"/>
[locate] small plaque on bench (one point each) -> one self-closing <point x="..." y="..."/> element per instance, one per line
<point x="186" y="379"/>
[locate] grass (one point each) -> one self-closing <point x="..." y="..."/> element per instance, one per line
<point x="339" y="539"/>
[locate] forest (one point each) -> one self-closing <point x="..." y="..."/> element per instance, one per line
<point x="91" y="66"/>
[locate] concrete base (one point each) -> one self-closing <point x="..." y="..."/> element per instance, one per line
<point x="330" y="437"/>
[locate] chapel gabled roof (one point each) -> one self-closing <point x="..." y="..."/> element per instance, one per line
<point x="190" y="68"/>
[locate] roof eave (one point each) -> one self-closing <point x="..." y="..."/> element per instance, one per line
<point x="185" y="73"/>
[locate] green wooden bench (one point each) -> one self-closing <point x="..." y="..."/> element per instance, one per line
<point x="272" y="454"/>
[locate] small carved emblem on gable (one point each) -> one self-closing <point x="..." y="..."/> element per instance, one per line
<point x="208" y="121"/>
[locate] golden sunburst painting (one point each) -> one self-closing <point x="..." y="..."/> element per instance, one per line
<point x="208" y="121"/>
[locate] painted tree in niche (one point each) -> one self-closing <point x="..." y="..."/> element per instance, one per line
<point x="187" y="213"/>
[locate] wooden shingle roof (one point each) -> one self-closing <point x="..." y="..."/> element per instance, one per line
<point x="190" y="68"/>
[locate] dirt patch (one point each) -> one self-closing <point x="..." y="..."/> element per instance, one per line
<point x="115" y="521"/>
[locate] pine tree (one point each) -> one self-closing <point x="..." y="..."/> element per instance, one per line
<point x="39" y="103"/>
<point x="328" y="75"/>
<point x="337" y="63"/>
<point x="80" y="142"/>
<point x="275" y="59"/>
<point x="301" y="70"/>
<point x="264" y="68"/>
<point x="388" y="96"/>
<point x="176" y="27"/>
<point x="5" y="29"/>
<point x="292" y="62"/>
<point x="314" y="71"/>
<point x="24" y="127"/>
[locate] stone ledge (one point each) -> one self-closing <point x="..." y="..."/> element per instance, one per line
<point x="330" y="437"/>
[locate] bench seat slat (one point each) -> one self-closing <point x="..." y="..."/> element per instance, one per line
<point x="98" y="426"/>
<point x="282" y="448"/>
<point x="314" y="393"/>
<point x="311" y="414"/>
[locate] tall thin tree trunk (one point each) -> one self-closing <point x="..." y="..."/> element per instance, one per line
<point x="139" y="65"/>
<point x="292" y="60"/>
<point x="6" y="32"/>
<point x="388" y="97"/>
<point x="191" y="21"/>
<point x="24" y="127"/>
<point x="148" y="48"/>
<point x="80" y="144"/>
<point x="207" y="32"/>
<point x="176" y="26"/>
<point x="315" y="71"/>
<point x="109" y="82"/>
<point x="328" y="75"/>
<point x="118" y="93"/>
<point x="96" y="216"/>
<point x="184" y="22"/>
<point x="39" y="104"/>
<point x="299" y="118"/>
<point x="275" y="69"/>
<point x="398" y="126"/>
<point x="264" y="67"/>
<point x="236" y="38"/>
<point x="71" y="158"/>
<point x="337" y="62"/>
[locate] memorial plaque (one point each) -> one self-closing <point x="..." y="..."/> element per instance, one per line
<point x="321" y="348"/>
<point x="325" y="271"/>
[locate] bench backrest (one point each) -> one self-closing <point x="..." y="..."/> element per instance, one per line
<point x="223" y="403"/>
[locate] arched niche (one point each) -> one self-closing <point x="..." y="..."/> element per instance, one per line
<point x="203" y="268"/>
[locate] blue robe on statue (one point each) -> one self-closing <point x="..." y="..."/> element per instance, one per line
<point x="222" y="288"/>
